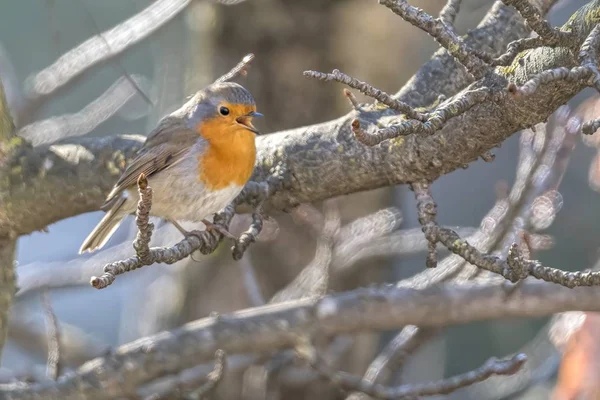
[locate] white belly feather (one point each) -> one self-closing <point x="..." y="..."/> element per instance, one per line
<point x="178" y="194"/>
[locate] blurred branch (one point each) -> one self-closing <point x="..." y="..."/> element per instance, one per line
<point x="346" y="381"/>
<point x="194" y="386"/>
<point x="103" y="46"/>
<point x="393" y="356"/>
<point x="53" y="363"/>
<point x="276" y="326"/>
<point x="29" y="331"/>
<point x="85" y="120"/>
<point x="516" y="267"/>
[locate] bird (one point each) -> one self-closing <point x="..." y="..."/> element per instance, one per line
<point x="197" y="160"/>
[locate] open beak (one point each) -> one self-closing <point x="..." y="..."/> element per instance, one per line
<point x="245" y="120"/>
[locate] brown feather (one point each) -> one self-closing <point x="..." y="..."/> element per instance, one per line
<point x="163" y="147"/>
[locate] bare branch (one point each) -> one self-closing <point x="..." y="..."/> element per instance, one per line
<point x="313" y="280"/>
<point x="368" y="90"/>
<point x="206" y="241"/>
<point x="588" y="54"/>
<point x="248" y="237"/>
<point x="538" y="23"/>
<point x="346" y="381"/>
<point x="448" y="13"/>
<point x="515" y="48"/>
<point x="85" y="120"/>
<point x="29" y="331"/>
<point x="198" y="386"/>
<point x="275" y="326"/>
<point x="442" y="33"/>
<point x="104" y="46"/>
<point x="352" y="99"/>
<point x="551" y="75"/>
<point x="43" y="192"/>
<point x="393" y="356"/>
<point x="516" y="267"/>
<point x="53" y="364"/>
<point x="240" y="69"/>
<point x="434" y="120"/>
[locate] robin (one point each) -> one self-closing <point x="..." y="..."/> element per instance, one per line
<point x="197" y="160"/>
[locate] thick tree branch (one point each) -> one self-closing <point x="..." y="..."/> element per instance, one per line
<point x="50" y="183"/>
<point x="276" y="326"/>
<point x="46" y="196"/>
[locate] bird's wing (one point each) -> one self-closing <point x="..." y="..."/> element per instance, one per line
<point x="164" y="147"/>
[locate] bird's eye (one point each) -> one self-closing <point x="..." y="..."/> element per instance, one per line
<point x="224" y="110"/>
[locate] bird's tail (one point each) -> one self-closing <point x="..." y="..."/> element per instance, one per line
<point x="105" y="228"/>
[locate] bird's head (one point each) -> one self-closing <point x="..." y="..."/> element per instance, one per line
<point x="221" y="109"/>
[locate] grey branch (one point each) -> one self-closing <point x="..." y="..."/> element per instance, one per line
<point x="198" y="386"/>
<point x="205" y="241"/>
<point x="104" y="46"/>
<point x="427" y="210"/>
<point x="587" y="57"/>
<point x="538" y="23"/>
<point x="588" y="54"/>
<point x="250" y="235"/>
<point x="449" y="12"/>
<point x="240" y="69"/>
<point x="434" y="120"/>
<point x="516" y="267"/>
<point x="368" y="90"/>
<point x="393" y="356"/>
<point x="515" y="48"/>
<point x="88" y="118"/>
<point x="347" y="381"/>
<point x="37" y="183"/>
<point x="277" y="326"/>
<point x="444" y="34"/>
<point x="53" y="363"/>
<point x="551" y="75"/>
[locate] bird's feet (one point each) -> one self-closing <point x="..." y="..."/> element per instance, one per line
<point x="180" y="228"/>
<point x="219" y="228"/>
<point x="209" y="227"/>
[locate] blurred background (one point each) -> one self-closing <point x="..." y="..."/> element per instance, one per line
<point x="200" y="41"/>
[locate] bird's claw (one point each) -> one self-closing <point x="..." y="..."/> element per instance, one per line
<point x="219" y="228"/>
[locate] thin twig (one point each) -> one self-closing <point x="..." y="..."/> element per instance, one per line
<point x="53" y="363"/>
<point x="250" y="235"/>
<point x="515" y="47"/>
<point x="551" y="75"/>
<point x="393" y="356"/>
<point x="198" y="387"/>
<point x="444" y="34"/>
<point x="368" y="90"/>
<point x="537" y="23"/>
<point x="449" y="12"/>
<point x="346" y="381"/>
<point x="85" y="120"/>
<point x="240" y="69"/>
<point x="352" y="99"/>
<point x="434" y="120"/>
<point x="427" y="210"/>
<point x="516" y="267"/>
<point x="205" y="241"/>
<point x="120" y="66"/>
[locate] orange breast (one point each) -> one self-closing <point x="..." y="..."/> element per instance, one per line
<point x="230" y="155"/>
